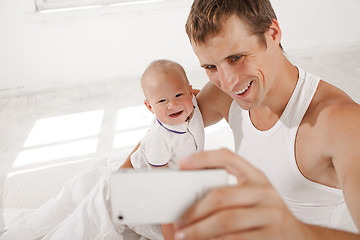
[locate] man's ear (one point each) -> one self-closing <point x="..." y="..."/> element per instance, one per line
<point x="147" y="104"/>
<point x="191" y="90"/>
<point x="274" y="32"/>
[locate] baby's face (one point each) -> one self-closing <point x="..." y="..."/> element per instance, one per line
<point x="169" y="97"/>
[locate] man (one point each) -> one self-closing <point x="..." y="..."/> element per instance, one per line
<point x="296" y="136"/>
<point x="299" y="131"/>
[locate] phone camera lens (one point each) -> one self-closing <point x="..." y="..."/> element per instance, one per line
<point x="121" y="217"/>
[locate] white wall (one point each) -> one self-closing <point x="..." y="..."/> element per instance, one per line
<point x="87" y="45"/>
<point x="55" y="49"/>
<point x="316" y="23"/>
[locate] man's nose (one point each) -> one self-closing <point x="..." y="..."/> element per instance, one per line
<point x="227" y="79"/>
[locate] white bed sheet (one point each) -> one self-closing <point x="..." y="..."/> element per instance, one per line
<point x="56" y="218"/>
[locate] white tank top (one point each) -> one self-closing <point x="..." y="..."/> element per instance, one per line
<point x="272" y="152"/>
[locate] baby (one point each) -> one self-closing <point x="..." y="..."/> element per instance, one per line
<point x="176" y="132"/>
<point x="177" y="129"/>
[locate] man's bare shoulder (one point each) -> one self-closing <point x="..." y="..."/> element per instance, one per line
<point x="330" y="101"/>
<point x="336" y="119"/>
<point x="334" y="114"/>
<point x="214" y="104"/>
<point x="329" y="136"/>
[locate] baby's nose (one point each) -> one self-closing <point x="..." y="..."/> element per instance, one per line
<point x="172" y="104"/>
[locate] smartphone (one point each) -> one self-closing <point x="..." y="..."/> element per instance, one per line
<point x="157" y="196"/>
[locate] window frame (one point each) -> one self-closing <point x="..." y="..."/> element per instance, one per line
<point x="43" y="5"/>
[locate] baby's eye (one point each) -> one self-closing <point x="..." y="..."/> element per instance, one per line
<point x="179" y="94"/>
<point x="161" y="101"/>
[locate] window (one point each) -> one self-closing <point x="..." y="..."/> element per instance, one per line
<point x="62" y="4"/>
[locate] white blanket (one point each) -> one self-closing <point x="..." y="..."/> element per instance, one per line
<point x="79" y="211"/>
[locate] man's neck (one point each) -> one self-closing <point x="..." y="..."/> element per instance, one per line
<point x="269" y="112"/>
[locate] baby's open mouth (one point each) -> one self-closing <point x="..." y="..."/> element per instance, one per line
<point x="174" y="115"/>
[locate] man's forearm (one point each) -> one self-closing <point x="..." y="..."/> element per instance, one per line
<point x="319" y="233"/>
<point x="127" y="163"/>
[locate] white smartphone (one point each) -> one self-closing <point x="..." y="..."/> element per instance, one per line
<point x="159" y="196"/>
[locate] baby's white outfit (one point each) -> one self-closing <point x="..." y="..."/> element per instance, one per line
<point x="166" y="144"/>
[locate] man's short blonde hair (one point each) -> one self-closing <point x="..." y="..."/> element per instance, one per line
<point x="207" y="16"/>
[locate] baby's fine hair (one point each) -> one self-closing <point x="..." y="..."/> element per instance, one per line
<point x="163" y="65"/>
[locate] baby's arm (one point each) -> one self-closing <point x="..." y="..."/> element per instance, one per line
<point x="164" y="166"/>
<point x="158" y="149"/>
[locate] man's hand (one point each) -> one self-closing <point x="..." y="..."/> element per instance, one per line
<point x="251" y="210"/>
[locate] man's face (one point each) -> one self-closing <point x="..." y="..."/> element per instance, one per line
<point x="237" y="63"/>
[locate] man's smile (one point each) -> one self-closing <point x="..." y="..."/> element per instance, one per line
<point x="242" y="91"/>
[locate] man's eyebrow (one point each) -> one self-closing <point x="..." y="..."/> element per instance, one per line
<point x="237" y="54"/>
<point x="230" y="56"/>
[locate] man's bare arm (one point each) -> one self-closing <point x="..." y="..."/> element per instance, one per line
<point x="344" y="149"/>
<point x="127" y="163"/>
<point x="214" y="104"/>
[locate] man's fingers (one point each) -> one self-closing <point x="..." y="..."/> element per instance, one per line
<point x="252" y="234"/>
<point x="229" y="207"/>
<point x="230" y="221"/>
<point x="222" y="198"/>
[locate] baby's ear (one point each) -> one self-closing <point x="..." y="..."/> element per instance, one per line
<point x="147" y="104"/>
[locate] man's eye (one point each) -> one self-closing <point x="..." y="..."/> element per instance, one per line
<point x="178" y="95"/>
<point x="235" y="58"/>
<point x="210" y="67"/>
